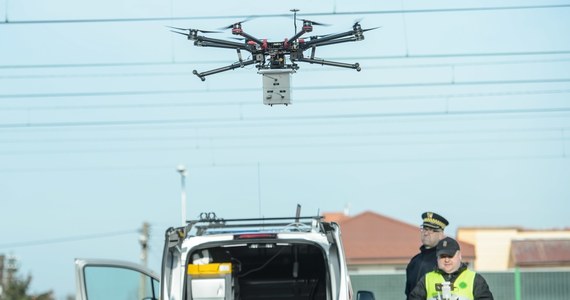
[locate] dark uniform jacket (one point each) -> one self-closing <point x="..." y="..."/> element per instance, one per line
<point x="480" y="287"/>
<point x="422" y="263"/>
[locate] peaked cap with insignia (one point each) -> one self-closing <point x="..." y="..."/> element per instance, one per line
<point x="434" y="221"/>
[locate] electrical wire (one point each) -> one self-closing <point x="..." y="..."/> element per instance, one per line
<point x="351" y="58"/>
<point x="289" y="145"/>
<point x="217" y="103"/>
<point x="263" y="265"/>
<point x="43" y="242"/>
<point x="189" y="73"/>
<point x="562" y="156"/>
<point x="8" y="20"/>
<point x="274" y="119"/>
<point x="312" y="136"/>
<point x="307" y="87"/>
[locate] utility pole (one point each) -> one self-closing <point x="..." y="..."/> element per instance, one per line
<point x="1" y="274"/>
<point x="143" y="240"/>
<point x="182" y="170"/>
<point x="11" y="269"/>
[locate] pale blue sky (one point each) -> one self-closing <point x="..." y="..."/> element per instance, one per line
<point x="458" y="109"/>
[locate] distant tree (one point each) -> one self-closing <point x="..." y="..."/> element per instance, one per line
<point x="17" y="289"/>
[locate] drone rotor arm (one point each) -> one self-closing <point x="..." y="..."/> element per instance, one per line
<point x="296" y="36"/>
<point x="218" y="43"/>
<point x="329" y="42"/>
<point x="240" y="64"/>
<point x="332" y="37"/>
<point x="251" y="38"/>
<point x="323" y="62"/>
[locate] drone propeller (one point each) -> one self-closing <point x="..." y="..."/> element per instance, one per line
<point x="235" y="23"/>
<point x="357" y="25"/>
<point x="182" y="33"/>
<point x="368" y="29"/>
<point x="314" y="23"/>
<point x="241" y="39"/>
<point x="190" y="30"/>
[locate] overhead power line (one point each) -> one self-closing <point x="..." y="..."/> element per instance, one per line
<point x="291" y="136"/>
<point x="314" y="87"/>
<point x="282" y="144"/>
<point x="8" y="20"/>
<point x="210" y="102"/>
<point x="348" y="58"/>
<point x="76" y="238"/>
<point x="239" y="119"/>
<point x="254" y="164"/>
<point x="145" y="73"/>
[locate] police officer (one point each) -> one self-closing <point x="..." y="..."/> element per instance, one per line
<point x="431" y="232"/>
<point x="452" y="280"/>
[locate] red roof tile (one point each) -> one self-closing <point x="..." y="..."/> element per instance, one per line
<point x="335" y="217"/>
<point x="541" y="252"/>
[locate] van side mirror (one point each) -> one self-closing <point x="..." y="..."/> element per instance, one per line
<point x="365" y="295"/>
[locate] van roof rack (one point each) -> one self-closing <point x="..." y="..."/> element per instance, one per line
<point x="209" y="223"/>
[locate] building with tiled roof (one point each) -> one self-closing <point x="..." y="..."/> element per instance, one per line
<point x="376" y="243"/>
<point x="504" y="248"/>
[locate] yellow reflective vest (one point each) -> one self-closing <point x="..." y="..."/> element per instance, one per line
<point x="462" y="287"/>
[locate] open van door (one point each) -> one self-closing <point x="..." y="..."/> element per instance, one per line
<point x="104" y="279"/>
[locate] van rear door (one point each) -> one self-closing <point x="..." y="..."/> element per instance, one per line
<point x="103" y="279"/>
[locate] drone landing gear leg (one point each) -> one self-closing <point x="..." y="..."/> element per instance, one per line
<point x="239" y="56"/>
<point x="202" y="77"/>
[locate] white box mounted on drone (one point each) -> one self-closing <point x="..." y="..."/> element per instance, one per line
<point x="276" y="86"/>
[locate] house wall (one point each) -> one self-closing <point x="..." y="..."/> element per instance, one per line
<point x="492" y="247"/>
<point x="376" y="269"/>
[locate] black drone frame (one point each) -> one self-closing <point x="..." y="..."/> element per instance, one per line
<point x="272" y="55"/>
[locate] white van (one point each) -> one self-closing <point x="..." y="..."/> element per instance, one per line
<point x="237" y="259"/>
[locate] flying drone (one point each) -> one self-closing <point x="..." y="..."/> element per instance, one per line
<point x="276" y="61"/>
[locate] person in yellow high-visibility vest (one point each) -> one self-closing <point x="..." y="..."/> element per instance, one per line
<point x="452" y="280"/>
